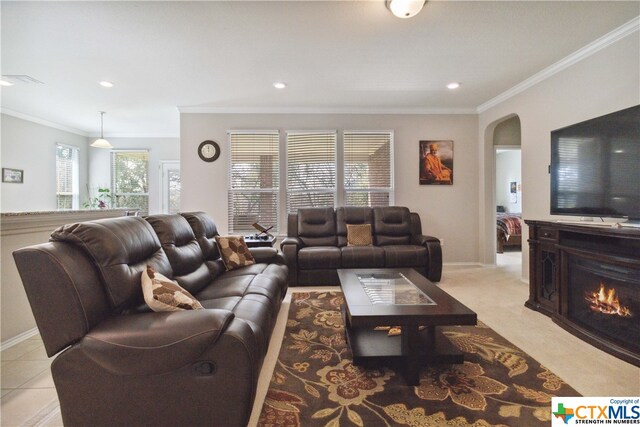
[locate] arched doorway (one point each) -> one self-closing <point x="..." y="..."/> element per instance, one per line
<point x="502" y="143"/>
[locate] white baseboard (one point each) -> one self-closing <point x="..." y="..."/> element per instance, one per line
<point x="18" y="339"/>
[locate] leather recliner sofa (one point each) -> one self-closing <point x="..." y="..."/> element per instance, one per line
<point x="120" y="363"/>
<point x="316" y="243"/>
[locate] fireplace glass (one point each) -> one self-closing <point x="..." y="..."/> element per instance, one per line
<point x="605" y="299"/>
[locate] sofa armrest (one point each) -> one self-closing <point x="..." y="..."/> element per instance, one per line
<point x="154" y="343"/>
<point x="291" y="241"/>
<point x="265" y="255"/>
<point x="421" y="239"/>
<point x="434" y="255"/>
<point x="290" y="247"/>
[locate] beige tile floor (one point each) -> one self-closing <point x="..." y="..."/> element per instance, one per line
<point x="495" y="293"/>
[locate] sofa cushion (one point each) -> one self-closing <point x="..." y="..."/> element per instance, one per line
<point x="359" y="235"/>
<point x="278" y="271"/>
<point x="319" y="257"/>
<point x="162" y="294"/>
<point x="121" y="248"/>
<point x="184" y="253"/>
<point x="392" y="225"/>
<point x="317" y="226"/>
<point x="351" y="215"/>
<point x="231" y="285"/>
<point x="234" y="252"/>
<point x="404" y="256"/>
<point x="178" y="241"/>
<point x="204" y="230"/>
<point x="362" y="257"/>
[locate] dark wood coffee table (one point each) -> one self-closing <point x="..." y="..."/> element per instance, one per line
<point x="400" y="297"/>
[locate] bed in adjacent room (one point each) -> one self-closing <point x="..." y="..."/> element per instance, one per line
<point x="509" y="230"/>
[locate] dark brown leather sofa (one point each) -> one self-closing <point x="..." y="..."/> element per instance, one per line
<point x="316" y="243"/>
<point x="120" y="363"/>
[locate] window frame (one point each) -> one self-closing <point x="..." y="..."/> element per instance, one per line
<point x="75" y="176"/>
<point x="115" y="194"/>
<point x="383" y="190"/>
<point x="335" y="190"/>
<point x="275" y="190"/>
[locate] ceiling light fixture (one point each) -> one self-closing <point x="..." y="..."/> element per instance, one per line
<point x="5" y="83"/>
<point x="279" y="85"/>
<point x="453" y="85"/>
<point x="101" y="142"/>
<point x="105" y="83"/>
<point x="405" y="8"/>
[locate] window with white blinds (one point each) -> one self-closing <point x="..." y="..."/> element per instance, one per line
<point x="130" y="179"/>
<point x="311" y="170"/>
<point x="67" y="181"/>
<point x="368" y="168"/>
<point x="254" y="189"/>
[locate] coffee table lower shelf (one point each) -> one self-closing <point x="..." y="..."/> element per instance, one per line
<point x="370" y="346"/>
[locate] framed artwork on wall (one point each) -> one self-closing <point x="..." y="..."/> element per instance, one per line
<point x="15" y="176"/>
<point x="436" y="163"/>
<point x="513" y="189"/>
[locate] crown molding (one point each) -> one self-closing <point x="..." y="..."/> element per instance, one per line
<point x="133" y="135"/>
<point x="43" y="122"/>
<point x="314" y="110"/>
<point x="582" y="53"/>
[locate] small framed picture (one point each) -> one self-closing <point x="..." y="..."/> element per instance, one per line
<point x="15" y="176"/>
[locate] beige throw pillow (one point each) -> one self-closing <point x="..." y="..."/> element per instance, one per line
<point x="163" y="294"/>
<point x="234" y="252"/>
<point x="359" y="235"/>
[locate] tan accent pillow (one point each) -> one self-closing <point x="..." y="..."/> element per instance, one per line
<point x="162" y="294"/>
<point x="234" y="252"/>
<point x="359" y="235"/>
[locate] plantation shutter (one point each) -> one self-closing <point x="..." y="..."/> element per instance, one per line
<point x="311" y="170"/>
<point x="67" y="177"/>
<point x="130" y="179"/>
<point x="254" y="189"/>
<point x="368" y="168"/>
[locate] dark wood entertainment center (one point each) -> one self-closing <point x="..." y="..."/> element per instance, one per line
<point x="562" y="257"/>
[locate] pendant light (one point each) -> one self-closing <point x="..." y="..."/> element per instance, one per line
<point x="101" y="142"/>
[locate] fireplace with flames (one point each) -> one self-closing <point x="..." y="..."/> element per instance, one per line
<point x="604" y="300"/>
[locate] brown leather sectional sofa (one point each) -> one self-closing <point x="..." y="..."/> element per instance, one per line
<point x="316" y="245"/>
<point x="119" y="363"/>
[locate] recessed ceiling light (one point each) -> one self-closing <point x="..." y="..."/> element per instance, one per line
<point x="453" y="85"/>
<point x="105" y="83"/>
<point x="279" y="85"/>
<point x="5" y="83"/>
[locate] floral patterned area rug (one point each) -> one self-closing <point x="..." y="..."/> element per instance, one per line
<point x="316" y="384"/>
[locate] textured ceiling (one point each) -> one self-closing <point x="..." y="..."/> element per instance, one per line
<point x="224" y="56"/>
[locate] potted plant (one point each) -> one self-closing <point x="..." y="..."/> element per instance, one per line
<point x="103" y="200"/>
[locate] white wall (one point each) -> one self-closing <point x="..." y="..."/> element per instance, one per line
<point x="446" y="211"/>
<point x="159" y="149"/>
<point x="508" y="170"/>
<point x="32" y="147"/>
<point x="607" y="81"/>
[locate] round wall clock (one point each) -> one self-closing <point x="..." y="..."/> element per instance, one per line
<point x="209" y="151"/>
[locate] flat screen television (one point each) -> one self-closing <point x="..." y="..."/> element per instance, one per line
<point x="595" y="167"/>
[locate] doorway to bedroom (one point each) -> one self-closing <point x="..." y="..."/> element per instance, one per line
<point x="508" y="192"/>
